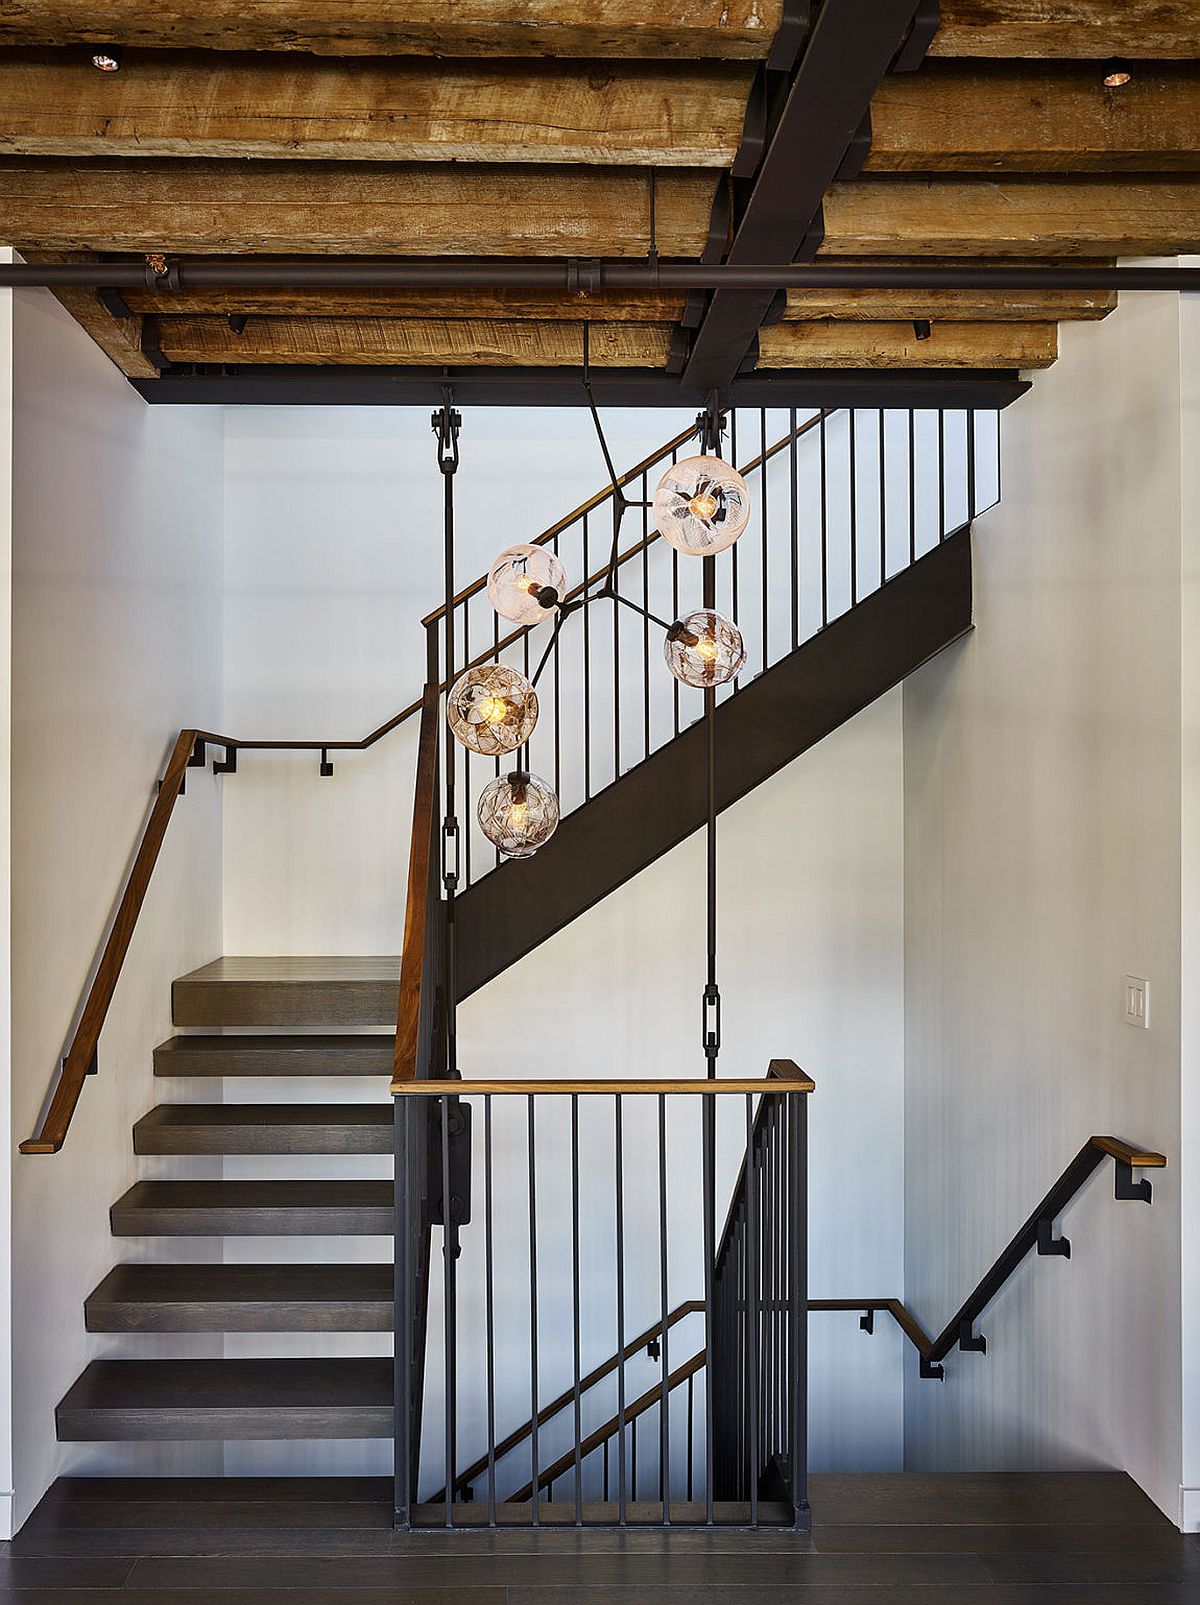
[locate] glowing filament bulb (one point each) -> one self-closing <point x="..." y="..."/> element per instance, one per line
<point x="703" y="505"/>
<point x="706" y="648"/>
<point x="495" y="710"/>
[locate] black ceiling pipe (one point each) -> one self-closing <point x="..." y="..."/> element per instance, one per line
<point x="580" y="278"/>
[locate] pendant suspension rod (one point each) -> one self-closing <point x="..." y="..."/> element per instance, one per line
<point x="575" y="277"/>
<point x="446" y="424"/>
<point x="709" y="429"/>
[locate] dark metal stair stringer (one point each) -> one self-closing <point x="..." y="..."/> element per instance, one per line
<point x="772" y="720"/>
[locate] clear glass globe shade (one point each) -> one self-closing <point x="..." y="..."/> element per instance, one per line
<point x="518" y="813"/>
<point x="526" y="583"/>
<point x="701" y="506"/>
<point x="492" y="709"/>
<point x="704" y="649"/>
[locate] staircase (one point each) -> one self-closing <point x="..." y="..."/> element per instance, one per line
<point x="886" y="605"/>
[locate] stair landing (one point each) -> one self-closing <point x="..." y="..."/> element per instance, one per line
<point x="332" y="993"/>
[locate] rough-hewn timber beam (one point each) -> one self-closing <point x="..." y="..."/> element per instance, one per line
<point x="895" y="345"/>
<point x="692" y="28"/>
<point x="1036" y="117"/>
<point x="120" y="339"/>
<point x="955" y="306"/>
<point x="1013" y="217"/>
<point x="850" y="48"/>
<point x="504" y="305"/>
<point x="189" y="103"/>
<point x="1145" y="29"/>
<point x="360" y="208"/>
<point x="393" y="341"/>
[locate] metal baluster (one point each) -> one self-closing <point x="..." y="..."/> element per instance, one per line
<point x="734" y="569"/>
<point x="404" y="1259"/>
<point x="794" y="487"/>
<point x="489" y="1307"/>
<point x="708" y="1137"/>
<point x="646" y="609"/>
<point x="691" y="1433"/>
<point x="766" y="588"/>
<point x="882" y="501"/>
<point x="853" y="506"/>
<point x="797" y="1300"/>
<point x="912" y="486"/>
<point x="616" y="687"/>
<point x="606" y="1443"/>
<point x="970" y="462"/>
<point x="533" y="1310"/>
<point x="664" y="1453"/>
<point x="449" y="1309"/>
<point x="575" y="1304"/>
<point x="941" y="475"/>
<point x="824" y="523"/>
<point x="620" y="1202"/>
<point x="633" y="1454"/>
<point x="752" y="1307"/>
<point x="496" y="659"/>
<point x="587" y="677"/>
<point x="466" y="756"/>
<point x="557" y="708"/>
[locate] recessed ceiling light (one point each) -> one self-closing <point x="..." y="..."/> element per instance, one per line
<point x="107" y="58"/>
<point x="1117" y="73"/>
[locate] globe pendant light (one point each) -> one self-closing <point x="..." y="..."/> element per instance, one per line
<point x="518" y="813"/>
<point x="492" y="709"/>
<point x="704" y="649"/>
<point x="701" y="506"/>
<point x="526" y="583"/>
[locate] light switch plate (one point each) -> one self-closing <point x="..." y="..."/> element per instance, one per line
<point x="1137" y="1001"/>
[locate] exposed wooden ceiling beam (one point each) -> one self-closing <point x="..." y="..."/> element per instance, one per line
<point x="353" y="207"/>
<point x="703" y="29"/>
<point x="388" y="340"/>
<point x="955" y="306"/>
<point x="895" y="345"/>
<point x="201" y="104"/>
<point x="606" y="306"/>
<point x="1093" y="29"/>
<point x="846" y="55"/>
<point x="1035" y="117"/>
<point x="120" y="339"/>
<point x="1013" y="217"/>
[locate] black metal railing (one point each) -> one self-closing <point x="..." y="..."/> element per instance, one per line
<point x="843" y="501"/>
<point x="574" y="1232"/>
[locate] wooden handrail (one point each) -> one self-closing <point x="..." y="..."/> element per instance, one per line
<point x="549" y="1411"/>
<point x="680" y="1085"/>
<point x="647" y="1401"/>
<point x="1036" y="1232"/>
<point x="81" y="1055"/>
<point x="416" y="907"/>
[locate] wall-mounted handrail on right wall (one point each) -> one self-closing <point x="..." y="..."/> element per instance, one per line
<point x="1036" y="1233"/>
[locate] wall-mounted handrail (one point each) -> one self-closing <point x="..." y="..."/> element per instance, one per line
<point x="81" y="1055"/>
<point x="1036" y="1233"/>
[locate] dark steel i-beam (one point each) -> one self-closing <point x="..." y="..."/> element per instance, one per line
<point x="848" y="52"/>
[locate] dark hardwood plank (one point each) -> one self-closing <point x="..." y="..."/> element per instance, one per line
<point x="243" y="1298"/>
<point x="265" y="1208"/>
<point x="1038" y="1498"/>
<point x="142" y="1400"/>
<point x="290" y="992"/>
<point x="255" y="1128"/>
<point x="275" y="1056"/>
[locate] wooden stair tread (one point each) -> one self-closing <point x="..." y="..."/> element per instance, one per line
<point x="243" y="1298"/>
<point x="213" y="1208"/>
<point x="245" y="1398"/>
<point x="317" y="1055"/>
<point x="301" y="991"/>
<point x="228" y="1128"/>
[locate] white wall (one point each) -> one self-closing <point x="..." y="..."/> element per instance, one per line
<point x="1042" y="863"/>
<point x="7" y="1139"/>
<point x="116" y="574"/>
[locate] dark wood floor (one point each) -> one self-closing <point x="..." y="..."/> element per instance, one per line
<point x="976" y="1539"/>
